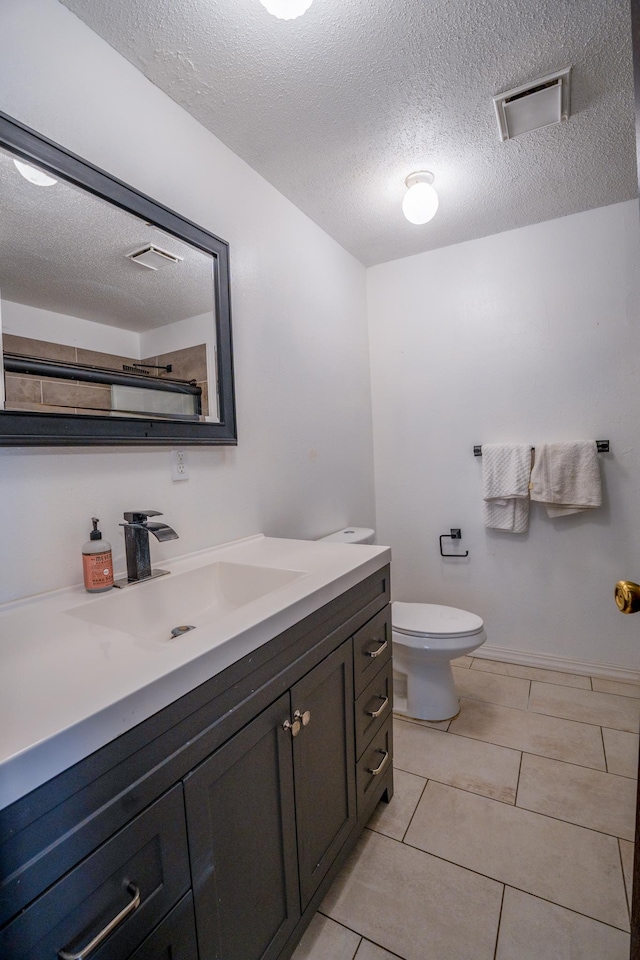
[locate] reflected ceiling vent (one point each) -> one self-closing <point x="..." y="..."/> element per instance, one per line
<point x="152" y="257"/>
<point x="534" y="105"/>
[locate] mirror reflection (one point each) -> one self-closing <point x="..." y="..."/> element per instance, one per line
<point x="101" y="312"/>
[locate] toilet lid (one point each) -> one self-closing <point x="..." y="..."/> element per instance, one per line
<point x="433" y="620"/>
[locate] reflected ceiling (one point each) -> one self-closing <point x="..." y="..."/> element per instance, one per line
<point x="63" y="249"/>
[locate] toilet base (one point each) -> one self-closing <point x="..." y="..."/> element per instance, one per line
<point x="401" y="711"/>
<point x="426" y="694"/>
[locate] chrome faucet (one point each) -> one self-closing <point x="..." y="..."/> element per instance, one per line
<point x="136" y="541"/>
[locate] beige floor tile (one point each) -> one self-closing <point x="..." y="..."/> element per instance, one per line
<point x="369" y="951"/>
<point x="436" y="724"/>
<point x="535" y="733"/>
<point x="393" y="818"/>
<point x="621" y="752"/>
<point x="492" y="688"/>
<point x="324" y="938"/>
<point x="532" y="673"/>
<point x="569" y="865"/>
<point x="410" y="903"/>
<point x="606" y="709"/>
<point x="615" y="686"/>
<point x="600" y="801"/>
<point x="626" y="854"/>
<point x="469" y="764"/>
<point x="532" y="929"/>
<point x="462" y="662"/>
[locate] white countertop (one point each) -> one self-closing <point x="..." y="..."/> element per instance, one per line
<point x="69" y="686"/>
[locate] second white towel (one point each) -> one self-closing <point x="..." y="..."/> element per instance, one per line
<point x="566" y="477"/>
<point x="506" y="468"/>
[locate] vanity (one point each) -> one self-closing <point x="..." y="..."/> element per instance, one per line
<point x="193" y="795"/>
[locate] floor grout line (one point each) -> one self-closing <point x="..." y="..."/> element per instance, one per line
<point x="515" y="802"/>
<point x="414" y="810"/>
<point x="495" y="952"/>
<point x="604" y="750"/>
<point x="624" y="878"/>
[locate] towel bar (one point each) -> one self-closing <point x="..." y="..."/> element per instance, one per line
<point x="602" y="445"/>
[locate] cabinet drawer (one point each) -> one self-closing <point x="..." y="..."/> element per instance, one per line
<point x="146" y="861"/>
<point x="375" y="762"/>
<point x="371" y="648"/>
<point x="373" y="707"/>
<point x="175" y="938"/>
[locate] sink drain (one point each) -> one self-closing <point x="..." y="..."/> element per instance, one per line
<point x="178" y="631"/>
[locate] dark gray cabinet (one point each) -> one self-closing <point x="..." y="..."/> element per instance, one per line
<point x="324" y="766"/>
<point x="212" y="830"/>
<point x="269" y="812"/>
<point x="242" y="840"/>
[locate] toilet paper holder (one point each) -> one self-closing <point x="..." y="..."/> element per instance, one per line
<point x="455" y="534"/>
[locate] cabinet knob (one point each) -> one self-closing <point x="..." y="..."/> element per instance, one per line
<point x="295" y="727"/>
<point x="303" y="717"/>
<point x="627" y="596"/>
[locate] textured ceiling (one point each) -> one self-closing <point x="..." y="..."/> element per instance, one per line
<point x="63" y="249"/>
<point x="336" y="107"/>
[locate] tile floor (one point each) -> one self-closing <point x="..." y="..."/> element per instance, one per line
<point x="510" y="834"/>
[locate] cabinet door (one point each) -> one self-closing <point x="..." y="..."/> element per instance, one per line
<point x="324" y="766"/>
<point x="241" y="826"/>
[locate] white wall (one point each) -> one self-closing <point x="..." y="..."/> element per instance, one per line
<point x="304" y="462"/>
<point x="528" y="336"/>
<point x="26" y="321"/>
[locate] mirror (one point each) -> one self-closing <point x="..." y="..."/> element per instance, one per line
<point x="114" y="311"/>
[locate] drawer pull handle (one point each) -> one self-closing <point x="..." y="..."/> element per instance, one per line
<point x="133" y="904"/>
<point x="381" y="765"/>
<point x="376" y="653"/>
<point x="383" y="706"/>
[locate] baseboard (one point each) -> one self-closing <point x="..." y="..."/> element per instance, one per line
<point x="545" y="661"/>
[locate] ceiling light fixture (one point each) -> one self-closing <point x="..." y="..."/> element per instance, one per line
<point x="34" y="174"/>
<point x="286" y="9"/>
<point x="420" y="202"/>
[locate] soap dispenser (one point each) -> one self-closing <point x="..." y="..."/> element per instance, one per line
<point x="97" y="564"/>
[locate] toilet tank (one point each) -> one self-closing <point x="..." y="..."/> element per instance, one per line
<point x="352" y="535"/>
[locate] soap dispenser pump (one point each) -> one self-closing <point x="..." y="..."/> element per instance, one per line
<point x="97" y="564"/>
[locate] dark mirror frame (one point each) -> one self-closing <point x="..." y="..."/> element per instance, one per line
<point x="24" y="428"/>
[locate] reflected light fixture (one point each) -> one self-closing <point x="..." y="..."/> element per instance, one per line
<point x="420" y="202"/>
<point x="286" y="9"/>
<point x="34" y="174"/>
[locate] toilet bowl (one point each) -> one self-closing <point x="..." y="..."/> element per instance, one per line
<point x="426" y="638"/>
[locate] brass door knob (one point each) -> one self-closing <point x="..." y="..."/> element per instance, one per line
<point x="627" y="596"/>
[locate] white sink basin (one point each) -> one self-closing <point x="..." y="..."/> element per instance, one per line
<point x="150" y="610"/>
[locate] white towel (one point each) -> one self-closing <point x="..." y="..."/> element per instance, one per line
<point x="566" y="477"/>
<point x="506" y="468"/>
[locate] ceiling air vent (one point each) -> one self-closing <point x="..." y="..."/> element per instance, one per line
<point x="153" y="257"/>
<point x="534" y="105"/>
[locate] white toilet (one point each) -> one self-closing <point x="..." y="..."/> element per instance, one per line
<point x="426" y="638"/>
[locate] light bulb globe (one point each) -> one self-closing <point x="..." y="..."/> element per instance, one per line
<point x="420" y="202"/>
<point x="286" y="9"/>
<point x="34" y="174"/>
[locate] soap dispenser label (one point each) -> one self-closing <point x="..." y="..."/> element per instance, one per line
<point x="98" y="570"/>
